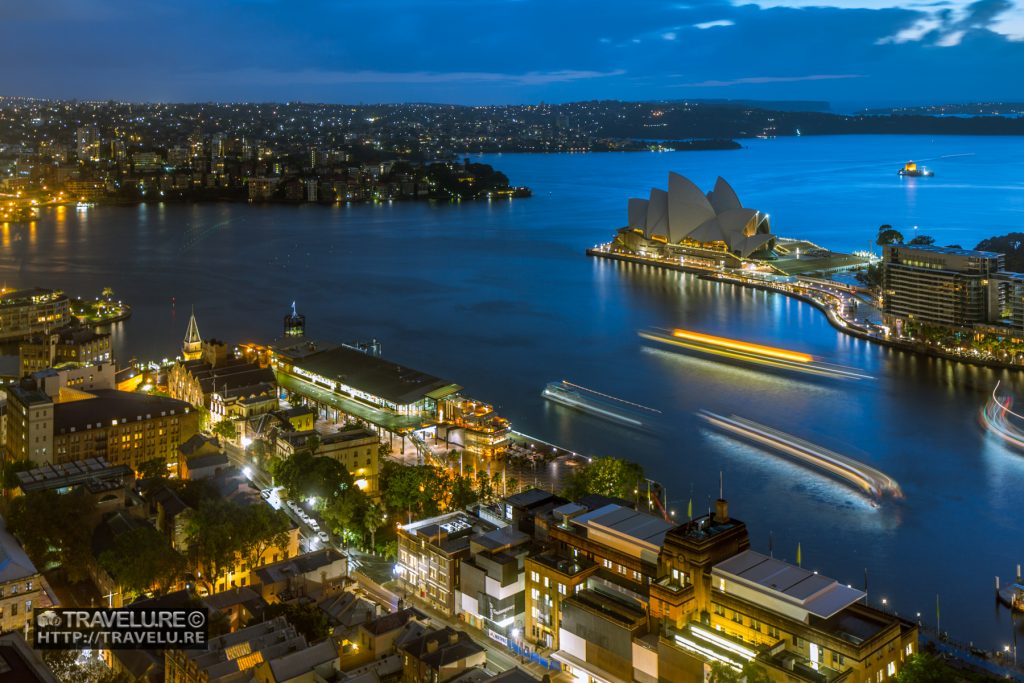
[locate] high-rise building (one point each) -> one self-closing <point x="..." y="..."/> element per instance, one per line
<point x="28" y="311"/>
<point x="87" y="140"/>
<point x="940" y="286"/>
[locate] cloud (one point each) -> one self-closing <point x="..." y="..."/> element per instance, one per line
<point x="669" y="35"/>
<point x="324" y="77"/>
<point x="759" y="80"/>
<point x="714" y="24"/>
<point x="943" y="23"/>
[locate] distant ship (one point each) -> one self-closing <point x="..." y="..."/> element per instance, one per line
<point x="600" y="405"/>
<point x="912" y="170"/>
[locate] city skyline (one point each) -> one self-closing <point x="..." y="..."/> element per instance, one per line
<point x="851" y="53"/>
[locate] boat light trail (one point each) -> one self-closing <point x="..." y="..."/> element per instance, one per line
<point x="747" y="347"/>
<point x="864" y="477"/>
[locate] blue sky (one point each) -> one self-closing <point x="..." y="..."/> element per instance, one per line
<point x="851" y="52"/>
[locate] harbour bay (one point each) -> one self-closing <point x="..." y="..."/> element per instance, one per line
<point x="499" y="297"/>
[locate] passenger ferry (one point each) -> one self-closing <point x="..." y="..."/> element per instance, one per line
<point x="600" y="405"/>
<point x="912" y="170"/>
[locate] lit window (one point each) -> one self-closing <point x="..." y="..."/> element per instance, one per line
<point x="891" y="669"/>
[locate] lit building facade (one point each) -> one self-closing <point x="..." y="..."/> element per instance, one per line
<point x="29" y="311"/>
<point x="940" y="286"/>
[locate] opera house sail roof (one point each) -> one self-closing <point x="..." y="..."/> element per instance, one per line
<point x="684" y="213"/>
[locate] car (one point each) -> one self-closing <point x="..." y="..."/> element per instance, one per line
<point x="315" y="525"/>
<point x="324" y="538"/>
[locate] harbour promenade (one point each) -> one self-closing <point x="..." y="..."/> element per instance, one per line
<point x="836" y="301"/>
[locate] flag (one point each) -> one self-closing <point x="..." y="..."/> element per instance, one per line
<point x="799" y="556"/>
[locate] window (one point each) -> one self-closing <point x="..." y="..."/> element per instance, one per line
<point x="755" y="625"/>
<point x="719" y="610"/>
<point x="891" y="669"/>
<point x="535" y="594"/>
<point x="547" y="582"/>
<point x="797" y="642"/>
<point x="910" y="649"/>
<point x="14" y="609"/>
<point x="561" y="588"/>
<point x="607" y="564"/>
<point x="773" y="631"/>
<point x="535" y="577"/>
<point x="28" y="607"/>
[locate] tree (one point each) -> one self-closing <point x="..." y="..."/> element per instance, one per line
<point x="346" y="514"/>
<point x="153" y="469"/>
<point x="142" y="559"/>
<point x="1012" y="245"/>
<point x="107" y="293"/>
<point x="307" y="618"/>
<point x="606" y="476"/>
<point x="750" y="673"/>
<point x="225" y="429"/>
<point x="872" y="276"/>
<point x="888" y="235"/>
<point x="922" y="240"/>
<point x="303" y="474"/>
<point x="11" y="469"/>
<point x="373" y="519"/>
<point x="53" y="529"/>
<point x="259" y="528"/>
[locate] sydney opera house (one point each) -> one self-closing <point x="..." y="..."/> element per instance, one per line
<point x="701" y="224"/>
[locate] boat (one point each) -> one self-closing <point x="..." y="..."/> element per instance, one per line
<point x="600" y="405"/>
<point x="912" y="170"/>
<point x="748" y="353"/>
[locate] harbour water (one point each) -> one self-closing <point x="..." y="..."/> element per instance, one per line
<point x="499" y="297"/>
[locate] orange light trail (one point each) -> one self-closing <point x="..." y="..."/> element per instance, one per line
<point x="747" y="347"/>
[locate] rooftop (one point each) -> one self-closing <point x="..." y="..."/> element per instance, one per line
<point x="818" y="595"/>
<point x="390" y="381"/>
<point x="56" y="476"/>
<point x="451" y="646"/>
<point x="626" y="525"/>
<point x="14" y="563"/>
<point x="935" y="249"/>
<point x="109" y="405"/>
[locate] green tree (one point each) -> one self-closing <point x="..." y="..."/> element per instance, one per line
<point x="307" y="618"/>
<point x="925" y="668"/>
<point x="373" y="518"/>
<point x="211" y="543"/>
<point x="225" y="429"/>
<point x="606" y="476"/>
<point x="346" y="514"/>
<point x="922" y="240"/>
<point x="750" y="673"/>
<point x="303" y="474"/>
<point x="888" y="235"/>
<point x="872" y="276"/>
<point x="54" y="530"/>
<point x="107" y="293"/>
<point x="259" y="528"/>
<point x="155" y="468"/>
<point x="141" y="559"/>
<point x="11" y="469"/>
<point x="1011" y="244"/>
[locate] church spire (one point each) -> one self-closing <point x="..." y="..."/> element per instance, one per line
<point x="192" y="346"/>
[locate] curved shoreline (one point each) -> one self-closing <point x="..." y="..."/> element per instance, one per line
<point x="918" y="348"/>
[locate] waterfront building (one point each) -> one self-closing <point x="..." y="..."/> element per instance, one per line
<point x="26" y="312"/>
<point x="430" y="552"/>
<point x="22" y="587"/>
<point x="720" y="601"/>
<point x="715" y="222"/>
<point x="341" y="380"/>
<point x="940" y="286"/>
<point x="71" y="344"/>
